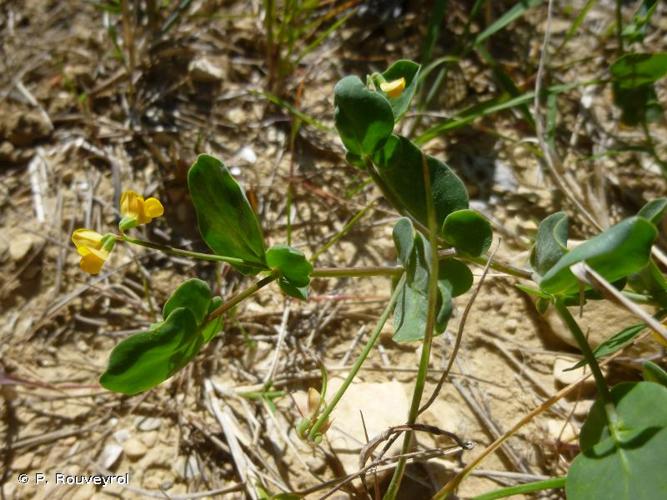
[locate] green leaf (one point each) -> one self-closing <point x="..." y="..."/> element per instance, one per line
<point x="147" y="359"/>
<point x="291" y="263"/>
<point x="533" y="292"/>
<point x="455" y="275"/>
<point x="634" y="471"/>
<point x="404" y="239"/>
<point x="454" y="278"/>
<point x="289" y="288"/>
<point x="364" y="118"/>
<point x="550" y="244"/>
<point x="410" y="71"/>
<point x="412" y="302"/>
<point x="654" y="210"/>
<point x="639" y="405"/>
<point x="633" y="76"/>
<point x="637" y="104"/>
<point x="614" y="343"/>
<point x="410" y="314"/>
<point x="210" y="329"/>
<point x="227" y="222"/>
<point x="193" y="294"/>
<point x="635" y="31"/>
<point x="639" y="69"/>
<point x="652" y="282"/>
<point x="629" y="465"/>
<point x="400" y="167"/>
<point x="468" y="231"/>
<point x="654" y="373"/>
<point x="619" y="251"/>
<point x="444" y="307"/>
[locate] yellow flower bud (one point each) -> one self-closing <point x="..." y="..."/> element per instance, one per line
<point x="394" y="88"/>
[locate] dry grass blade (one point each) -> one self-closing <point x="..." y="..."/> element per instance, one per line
<point x="588" y="275"/>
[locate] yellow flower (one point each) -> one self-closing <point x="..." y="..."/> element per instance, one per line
<point x="93" y="248"/>
<point x="136" y="210"/>
<point x="394" y="88"/>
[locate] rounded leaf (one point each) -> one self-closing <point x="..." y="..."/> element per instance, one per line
<point x="147" y="359"/>
<point x="364" y="118"/>
<point x="193" y="294"/>
<point x="550" y="243"/>
<point x="291" y="263"/>
<point x="468" y="231"/>
<point x="629" y="465"/>
<point x="455" y="275"/>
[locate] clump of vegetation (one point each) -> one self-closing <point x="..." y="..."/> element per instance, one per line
<point x="437" y="239"/>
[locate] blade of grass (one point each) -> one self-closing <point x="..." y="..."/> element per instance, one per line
<point x="507" y="18"/>
<point x="506" y="82"/>
<point x="576" y="24"/>
<point x="323" y="36"/>
<point x="519" y="489"/>
<point x="289" y="107"/>
<point x="433" y="32"/>
<point x="491" y="106"/>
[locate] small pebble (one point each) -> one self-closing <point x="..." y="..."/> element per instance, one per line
<point x="134" y="449"/>
<point x="148" y="424"/>
<point x="110" y="455"/>
<point x="20" y="246"/>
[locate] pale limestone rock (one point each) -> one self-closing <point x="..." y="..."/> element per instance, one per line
<point x="383" y="405"/>
<point x="20" y="246"/>
<point x="134" y="449"/>
<point x="110" y="455"/>
<point x="600" y="321"/>
<point x="564" y="376"/>
<point x="559" y="430"/>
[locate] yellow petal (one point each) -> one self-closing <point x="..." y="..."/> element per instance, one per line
<point x="394" y="88"/>
<point x="659" y="339"/>
<point x="131" y="204"/>
<point x="153" y="208"/>
<point x="92" y="260"/>
<point x="86" y="238"/>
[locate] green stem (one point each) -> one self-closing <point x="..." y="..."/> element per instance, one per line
<point x="360" y="361"/>
<point x="321" y="272"/>
<point x="188" y="253"/>
<point x="420" y="382"/>
<point x="545" y="484"/>
<point x="498" y="266"/>
<point x="600" y="382"/>
<point x="242" y="295"/>
<point x="355" y="272"/>
<point x="327" y="272"/>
